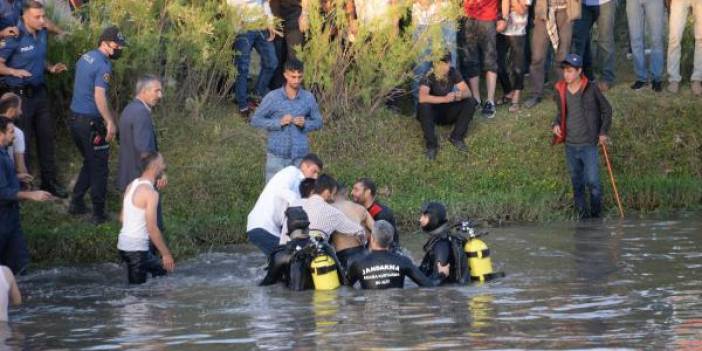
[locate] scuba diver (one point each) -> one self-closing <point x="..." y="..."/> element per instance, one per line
<point x="443" y="247"/>
<point x="384" y="269"/>
<point x="305" y="262"/>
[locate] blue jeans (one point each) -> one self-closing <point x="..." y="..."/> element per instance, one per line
<point x="243" y="44"/>
<point x="604" y="16"/>
<point x="274" y="164"/>
<point x="642" y="15"/>
<point x="584" y="167"/>
<point x="265" y="241"/>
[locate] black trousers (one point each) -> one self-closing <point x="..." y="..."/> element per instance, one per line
<point x="458" y="113"/>
<point x="38" y="124"/>
<point x="511" y="59"/>
<point x="141" y="263"/>
<point x="13" y="247"/>
<point x="285" y="50"/>
<point x="96" y="153"/>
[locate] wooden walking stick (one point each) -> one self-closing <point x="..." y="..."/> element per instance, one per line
<point x="611" y="178"/>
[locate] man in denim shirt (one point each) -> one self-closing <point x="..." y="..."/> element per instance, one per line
<point x="287" y="114"/>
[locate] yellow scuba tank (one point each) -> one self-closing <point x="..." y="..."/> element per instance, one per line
<point x="324" y="274"/>
<point x="478" y="259"/>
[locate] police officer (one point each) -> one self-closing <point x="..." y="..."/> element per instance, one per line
<point x="92" y="122"/>
<point x="10" y="14"/>
<point x="22" y="65"/>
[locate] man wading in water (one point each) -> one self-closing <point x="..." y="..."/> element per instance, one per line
<point x="139" y="225"/>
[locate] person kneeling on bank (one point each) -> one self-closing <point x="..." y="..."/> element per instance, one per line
<point x="442" y="247"/>
<point x="290" y="263"/>
<point x="139" y="225"/>
<point x="444" y="98"/>
<point x="383" y="269"/>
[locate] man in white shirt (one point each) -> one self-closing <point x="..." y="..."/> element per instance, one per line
<point x="324" y="217"/>
<point x="265" y="220"/>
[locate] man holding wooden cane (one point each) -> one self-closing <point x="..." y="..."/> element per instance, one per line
<point x="589" y="117"/>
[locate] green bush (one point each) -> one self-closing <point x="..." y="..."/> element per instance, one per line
<point x="189" y="43"/>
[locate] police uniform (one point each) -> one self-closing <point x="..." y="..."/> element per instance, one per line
<point x="13" y="247"/>
<point x="10" y="13"/>
<point x="28" y="52"/>
<point x="88" y="130"/>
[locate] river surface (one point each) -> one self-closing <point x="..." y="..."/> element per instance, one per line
<point x="634" y="285"/>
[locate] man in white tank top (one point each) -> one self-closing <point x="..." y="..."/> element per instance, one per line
<point x="140" y="227"/>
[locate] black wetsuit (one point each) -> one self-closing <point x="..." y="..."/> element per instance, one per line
<point x="381" y="212"/>
<point x="385" y="269"/>
<point x="290" y="264"/>
<point x="443" y="247"/>
<point x="350" y="255"/>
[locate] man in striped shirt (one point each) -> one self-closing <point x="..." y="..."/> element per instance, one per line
<point x="323" y="216"/>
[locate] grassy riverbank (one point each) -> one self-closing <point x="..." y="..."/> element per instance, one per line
<point x="510" y="174"/>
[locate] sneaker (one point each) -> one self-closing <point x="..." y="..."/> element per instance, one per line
<point x="657" y="86"/>
<point x="55" y="189"/>
<point x="245" y="112"/>
<point x="489" y="109"/>
<point x="674" y="87"/>
<point x="638" y="85"/>
<point x="459" y="144"/>
<point x="532" y="101"/>
<point x="431" y="153"/>
<point x="696" y="87"/>
<point x="77" y="208"/>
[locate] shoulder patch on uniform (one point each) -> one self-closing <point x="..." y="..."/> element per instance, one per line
<point x="2" y="43"/>
<point x="106" y="77"/>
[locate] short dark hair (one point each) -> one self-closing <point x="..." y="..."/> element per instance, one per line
<point x="314" y="159"/>
<point x="4" y="123"/>
<point x="294" y="65"/>
<point x="147" y="159"/>
<point x="32" y="4"/>
<point x="325" y="182"/>
<point x="368" y="184"/>
<point x="8" y="101"/>
<point x="383" y="233"/>
<point x="446" y="57"/>
<point x="306" y="187"/>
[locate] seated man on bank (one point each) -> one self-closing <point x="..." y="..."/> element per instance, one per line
<point x="290" y="263"/>
<point x="349" y="248"/>
<point x="442" y="248"/>
<point x="383" y="269"/>
<point x="323" y="216"/>
<point x="444" y="98"/>
<point x="140" y="227"/>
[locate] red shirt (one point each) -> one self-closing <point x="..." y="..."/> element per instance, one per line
<point x="481" y="10"/>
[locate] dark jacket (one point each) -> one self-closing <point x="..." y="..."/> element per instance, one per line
<point x="137" y="137"/>
<point x="597" y="110"/>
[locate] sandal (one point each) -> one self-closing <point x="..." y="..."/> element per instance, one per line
<point x="514" y="107"/>
<point x="503" y="100"/>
